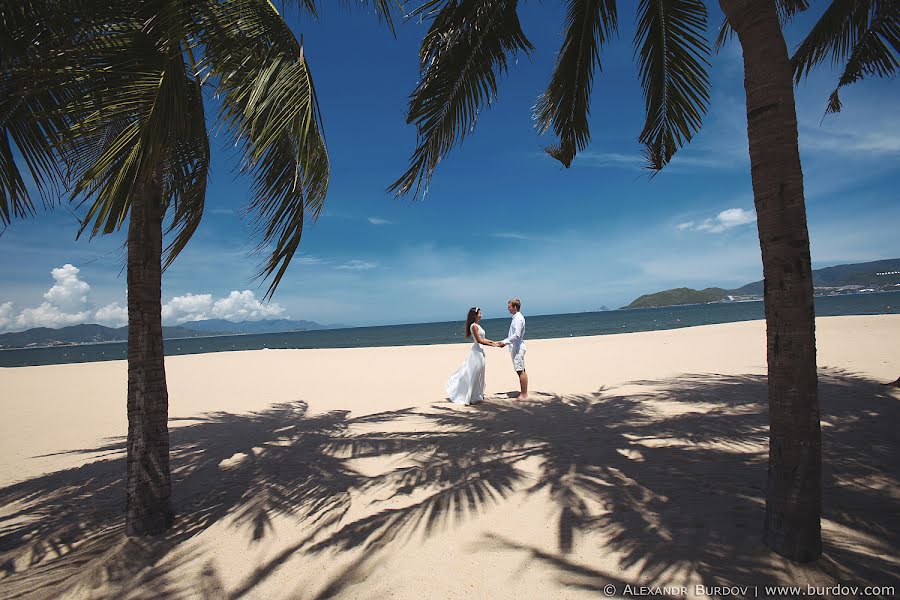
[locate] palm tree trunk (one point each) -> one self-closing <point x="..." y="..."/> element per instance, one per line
<point x="149" y="487"/>
<point x="794" y="487"/>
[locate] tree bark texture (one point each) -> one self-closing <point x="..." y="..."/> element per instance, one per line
<point x="149" y="487"/>
<point x="794" y="486"/>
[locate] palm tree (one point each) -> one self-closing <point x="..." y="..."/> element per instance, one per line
<point x="468" y="46"/>
<point x="864" y="35"/>
<point x="104" y="99"/>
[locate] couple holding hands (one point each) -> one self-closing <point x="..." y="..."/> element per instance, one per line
<point x="466" y="385"/>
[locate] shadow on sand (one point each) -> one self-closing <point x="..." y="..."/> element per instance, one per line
<point x="671" y="480"/>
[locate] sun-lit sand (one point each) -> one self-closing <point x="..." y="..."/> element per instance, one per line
<point x="639" y="460"/>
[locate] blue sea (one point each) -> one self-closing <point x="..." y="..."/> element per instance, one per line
<point x="450" y="332"/>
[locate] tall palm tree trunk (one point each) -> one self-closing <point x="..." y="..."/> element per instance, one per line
<point x="148" y="508"/>
<point x="794" y="487"/>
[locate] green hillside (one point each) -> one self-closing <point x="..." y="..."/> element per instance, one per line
<point x="879" y="274"/>
<point x="679" y="296"/>
<point x="855" y="274"/>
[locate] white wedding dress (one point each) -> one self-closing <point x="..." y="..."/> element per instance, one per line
<point x="466" y="386"/>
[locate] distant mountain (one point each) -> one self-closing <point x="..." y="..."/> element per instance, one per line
<point x="679" y="296"/>
<point x="86" y="334"/>
<point x="80" y="334"/>
<point x="875" y="275"/>
<point x="841" y="275"/>
<point x="264" y="326"/>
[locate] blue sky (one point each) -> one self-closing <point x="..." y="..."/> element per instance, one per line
<point x="500" y="218"/>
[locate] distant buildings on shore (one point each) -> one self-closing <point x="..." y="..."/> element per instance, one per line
<point x="829" y="291"/>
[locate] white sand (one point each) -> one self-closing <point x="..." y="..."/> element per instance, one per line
<point x="639" y="460"/>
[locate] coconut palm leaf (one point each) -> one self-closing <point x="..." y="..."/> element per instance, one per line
<point x="96" y="79"/>
<point x="270" y="108"/>
<point x="186" y="172"/>
<point x="124" y="99"/>
<point x="672" y="56"/>
<point x="145" y="121"/>
<point x="465" y="50"/>
<point x="31" y="92"/>
<point x="863" y="36"/>
<point x="565" y="105"/>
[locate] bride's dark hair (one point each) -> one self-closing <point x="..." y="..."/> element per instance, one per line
<point x="470" y="318"/>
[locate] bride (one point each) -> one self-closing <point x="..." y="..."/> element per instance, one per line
<point x="466" y="386"/>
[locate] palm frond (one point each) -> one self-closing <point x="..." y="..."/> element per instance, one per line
<point x="862" y="36"/>
<point x="108" y="85"/>
<point x="27" y="135"/>
<point x="14" y="199"/>
<point x="139" y="115"/>
<point x="724" y="36"/>
<point x="672" y="54"/>
<point x="465" y="50"/>
<point x="154" y="117"/>
<point x="36" y="79"/>
<point x="270" y="108"/>
<point x="565" y="105"/>
<point x="787" y="9"/>
<point x="427" y="10"/>
<point x="186" y="172"/>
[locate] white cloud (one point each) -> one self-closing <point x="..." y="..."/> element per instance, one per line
<point x="867" y="127"/>
<point x="7" y="316"/>
<point x="725" y="220"/>
<point x="511" y="235"/>
<point x="357" y="265"/>
<point x="243" y="306"/>
<point x="306" y="260"/>
<point x="379" y="221"/>
<point x="237" y="306"/>
<point x="48" y="315"/>
<point x="850" y="142"/>
<point x="189" y="307"/>
<point x="69" y="293"/>
<point x="66" y="303"/>
<point x="609" y="159"/>
<point x="112" y="315"/>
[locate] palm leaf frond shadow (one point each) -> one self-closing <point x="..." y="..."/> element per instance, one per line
<point x="668" y="493"/>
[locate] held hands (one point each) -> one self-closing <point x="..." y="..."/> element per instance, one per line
<point x="499" y="344"/>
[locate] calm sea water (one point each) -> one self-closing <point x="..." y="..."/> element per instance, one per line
<point x="539" y="326"/>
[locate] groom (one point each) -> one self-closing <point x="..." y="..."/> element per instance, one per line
<point x="516" y="342"/>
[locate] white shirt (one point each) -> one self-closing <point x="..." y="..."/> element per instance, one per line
<point x="516" y="337"/>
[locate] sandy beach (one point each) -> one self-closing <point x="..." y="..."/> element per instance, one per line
<point x="639" y="460"/>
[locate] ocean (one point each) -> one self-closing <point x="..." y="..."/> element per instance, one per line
<point x="451" y="332"/>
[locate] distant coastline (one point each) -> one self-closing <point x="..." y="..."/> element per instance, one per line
<point x="816" y="294"/>
<point x="449" y="332"/>
<point x="92" y="333"/>
<point x="839" y="280"/>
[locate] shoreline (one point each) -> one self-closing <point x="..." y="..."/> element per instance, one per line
<point x="572" y="326"/>
<point x="438" y="323"/>
<point x="427" y="345"/>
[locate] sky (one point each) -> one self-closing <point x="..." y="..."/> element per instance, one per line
<point x="500" y="219"/>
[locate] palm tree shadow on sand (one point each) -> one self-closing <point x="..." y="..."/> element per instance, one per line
<point x="669" y="482"/>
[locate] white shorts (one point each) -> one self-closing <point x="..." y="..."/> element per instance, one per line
<point x="518" y="359"/>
